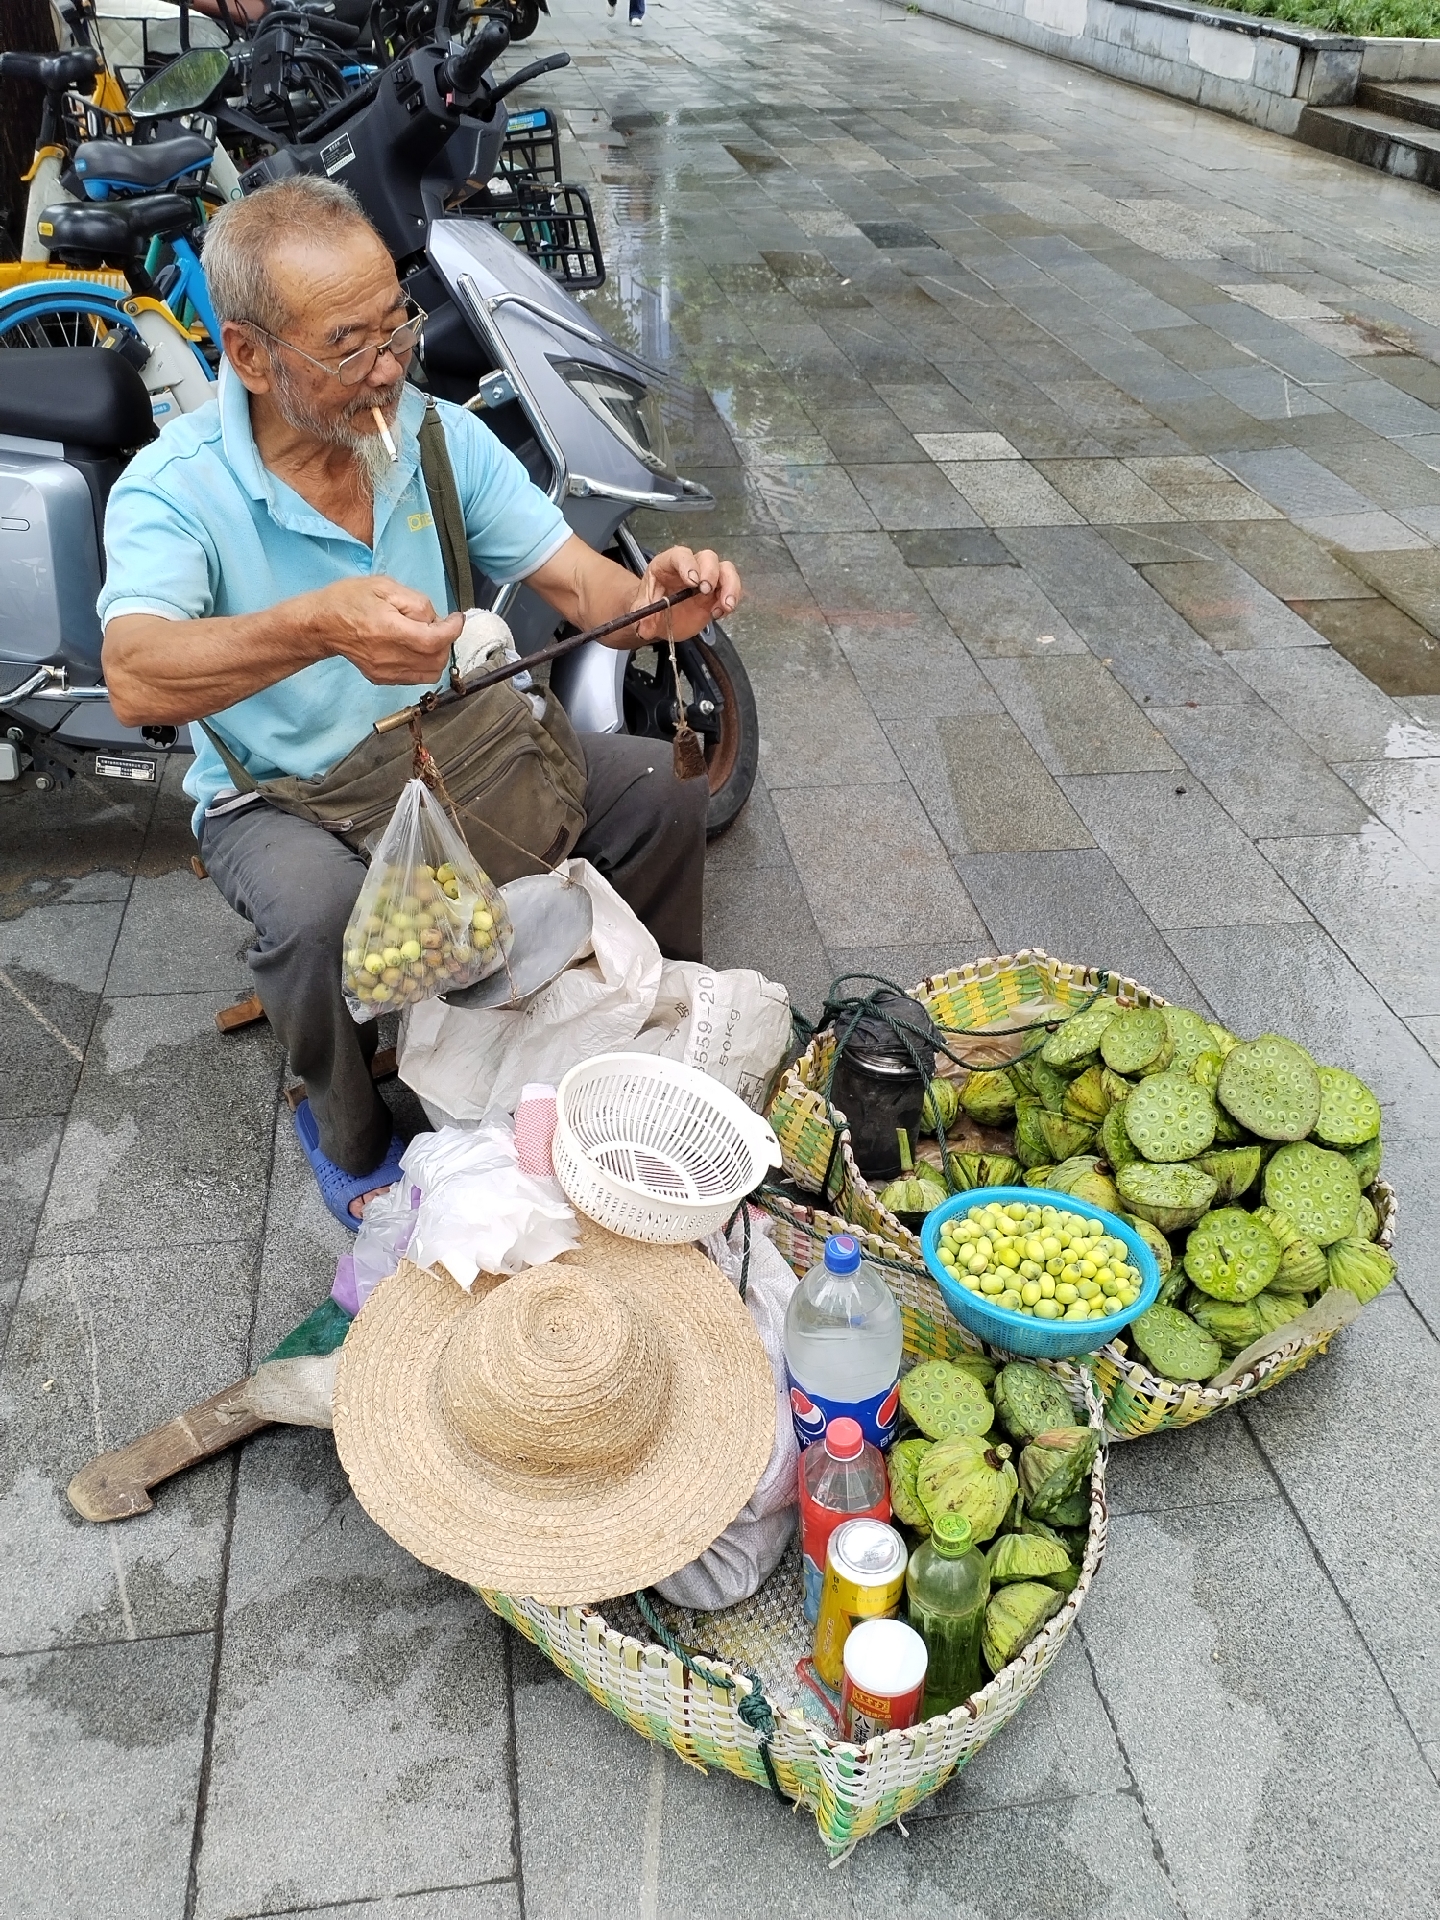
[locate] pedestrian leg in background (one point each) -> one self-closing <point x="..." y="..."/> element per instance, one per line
<point x="296" y="884"/>
<point x="637" y="12"/>
<point x="645" y="831"/>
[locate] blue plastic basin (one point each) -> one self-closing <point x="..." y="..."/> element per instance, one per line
<point x="1018" y="1332"/>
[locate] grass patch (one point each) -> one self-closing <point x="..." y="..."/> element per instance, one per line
<point x="1397" y="19"/>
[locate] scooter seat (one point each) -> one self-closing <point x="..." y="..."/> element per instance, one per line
<point x="81" y="395"/>
<point x="110" y="166"/>
<point x="114" y="231"/>
<point x="52" y="72"/>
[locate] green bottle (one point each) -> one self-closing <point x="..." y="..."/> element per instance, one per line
<point x="947" y="1585"/>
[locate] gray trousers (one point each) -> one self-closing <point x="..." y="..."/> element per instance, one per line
<point x="296" y="883"/>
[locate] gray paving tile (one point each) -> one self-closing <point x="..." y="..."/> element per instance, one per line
<point x="1405" y="794"/>
<point x="958" y="548"/>
<point x="1264" y="776"/>
<point x="52" y="970"/>
<point x="1380" y="902"/>
<point x="1010" y="494"/>
<point x="812" y="499"/>
<point x="904" y="663"/>
<point x="1232" y="610"/>
<point x="1005" y="800"/>
<point x="1184" y="859"/>
<point x="915" y="495"/>
<point x="1214" y="1463"/>
<point x="1146" y="545"/>
<point x="863" y="878"/>
<point x="104" y="1346"/>
<point x="1287" y="561"/>
<point x="1103" y="491"/>
<point x="81" y="841"/>
<point x="764" y="920"/>
<point x="1077" y="716"/>
<point x="1366" y="533"/>
<point x="1331" y="705"/>
<point x="27" y="1155"/>
<point x="494" y="1900"/>
<point x="170" y="1146"/>
<point x="1411" y="580"/>
<point x="360" y="1716"/>
<point x="999" y="613"/>
<point x="1200" y="489"/>
<point x="1075" y="906"/>
<point x="100" y="1763"/>
<point x="1394" y="1597"/>
<point x="302" y="1242"/>
<point x="149" y="958"/>
<point x="1264" y="1700"/>
<point x="868" y="434"/>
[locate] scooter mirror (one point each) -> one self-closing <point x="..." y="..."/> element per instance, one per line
<point x="182" y="87"/>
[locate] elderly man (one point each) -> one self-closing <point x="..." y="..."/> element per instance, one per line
<point x="274" y="572"/>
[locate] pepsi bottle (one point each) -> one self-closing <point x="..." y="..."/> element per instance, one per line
<point x="842" y="1346"/>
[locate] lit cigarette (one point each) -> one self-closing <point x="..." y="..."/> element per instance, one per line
<point x="385" y="434"/>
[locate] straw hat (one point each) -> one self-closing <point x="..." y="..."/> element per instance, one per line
<point x="581" y="1430"/>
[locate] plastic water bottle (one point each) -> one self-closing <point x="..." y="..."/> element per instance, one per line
<point x="844" y="1478"/>
<point x="842" y="1346"/>
<point x="947" y="1585"/>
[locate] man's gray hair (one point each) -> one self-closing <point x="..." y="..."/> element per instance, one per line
<point x="241" y="237"/>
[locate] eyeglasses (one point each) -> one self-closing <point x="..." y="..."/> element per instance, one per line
<point x="357" y="366"/>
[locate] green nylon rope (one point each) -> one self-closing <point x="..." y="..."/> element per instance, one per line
<point x="752" y="1707"/>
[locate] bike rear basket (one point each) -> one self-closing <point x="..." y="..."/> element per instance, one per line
<point x="554" y="224"/>
<point x="532" y="147"/>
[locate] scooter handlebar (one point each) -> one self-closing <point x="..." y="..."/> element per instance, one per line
<point x="549" y="64"/>
<point x="460" y="73"/>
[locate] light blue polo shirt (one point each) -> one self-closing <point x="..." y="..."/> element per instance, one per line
<point x="197" y="527"/>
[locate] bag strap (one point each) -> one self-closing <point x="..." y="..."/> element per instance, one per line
<point x="445" y="507"/>
<point x="245" y="782"/>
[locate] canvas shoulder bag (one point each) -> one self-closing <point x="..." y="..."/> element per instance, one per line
<point x="516" y="779"/>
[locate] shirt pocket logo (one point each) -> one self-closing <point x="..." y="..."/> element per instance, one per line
<point x="419" y="521"/>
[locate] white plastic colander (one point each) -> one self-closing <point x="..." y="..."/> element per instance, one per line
<point x="656" y="1151"/>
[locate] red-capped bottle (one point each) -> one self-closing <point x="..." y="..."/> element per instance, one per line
<point x="843" y="1478"/>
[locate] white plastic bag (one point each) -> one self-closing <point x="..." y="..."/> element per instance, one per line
<point x="386" y="1228"/>
<point x="428" y="919"/>
<point x="464" y="1062"/>
<point x="748" y="1552"/>
<point x="478" y="1212"/>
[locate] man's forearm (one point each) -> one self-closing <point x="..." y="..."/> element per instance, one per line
<point x="164" y="672"/>
<point x="585" y="588"/>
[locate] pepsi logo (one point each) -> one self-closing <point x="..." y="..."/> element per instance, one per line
<point x="888" y="1408"/>
<point x="809" y="1419"/>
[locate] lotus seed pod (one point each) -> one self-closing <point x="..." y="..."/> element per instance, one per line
<point x="1319" y="1190"/>
<point x="1153" y="1238"/>
<point x="1349" y="1112"/>
<point x="1072" y="1517"/>
<point x="1271" y="1086"/>
<point x="1013" y="1617"/>
<point x="1365" y="1160"/>
<point x="968" y="1475"/>
<point x="1073" y="1045"/>
<point x="1231" y="1324"/>
<point x="1367" y="1221"/>
<point x="903" y="1462"/>
<point x="1026" y="1556"/>
<point x="1360" y="1267"/>
<point x="1063" y="1137"/>
<point x="1302" y="1265"/>
<point x="1169" y="1196"/>
<point x="1170" y="1117"/>
<point x="1137" y="1041"/>
<point x="940" y="1106"/>
<point x="977" y="1366"/>
<point x="1276" y="1309"/>
<point x="1115" y="1139"/>
<point x="917" y="1189"/>
<point x="1173" y="1287"/>
<point x="1221" y="1038"/>
<point x="1205" y="1071"/>
<point x="988" y="1097"/>
<point x="1174" y="1345"/>
<point x="1081" y="1176"/>
<point x="968" y="1170"/>
<point x="1088" y="1098"/>
<point x="1037" y="1177"/>
<point x="943" y="1400"/>
<point x="1054" y="1466"/>
<point x="1233" y="1169"/>
<point x="1231" y="1256"/>
<point x="1029" y="1401"/>
<point x="1067" y="1578"/>
<point x="1229" y="1132"/>
<point x="1032" y="1149"/>
<point x="1190" y="1035"/>
<point x="1047" y="1083"/>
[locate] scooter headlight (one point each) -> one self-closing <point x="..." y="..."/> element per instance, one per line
<point x="631" y="411"/>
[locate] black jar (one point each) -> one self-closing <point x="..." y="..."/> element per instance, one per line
<point x="877" y="1085"/>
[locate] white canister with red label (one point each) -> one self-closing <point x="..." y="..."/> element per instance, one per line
<point x="884" y="1680"/>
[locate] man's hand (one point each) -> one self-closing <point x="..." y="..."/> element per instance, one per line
<point x="390" y="632"/>
<point x="670" y="572"/>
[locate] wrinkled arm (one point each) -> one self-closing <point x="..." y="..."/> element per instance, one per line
<point x="589" y="590"/>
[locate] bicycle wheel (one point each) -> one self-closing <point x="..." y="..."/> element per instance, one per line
<point x="53" y="316"/>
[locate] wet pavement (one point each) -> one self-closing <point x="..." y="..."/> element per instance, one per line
<point x="1082" y="456"/>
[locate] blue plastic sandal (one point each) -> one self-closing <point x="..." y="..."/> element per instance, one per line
<point x="338" y="1188"/>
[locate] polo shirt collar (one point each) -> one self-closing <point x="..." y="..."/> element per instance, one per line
<point x="286" y="507"/>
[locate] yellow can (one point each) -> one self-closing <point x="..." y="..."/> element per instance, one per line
<point x="864" y="1580"/>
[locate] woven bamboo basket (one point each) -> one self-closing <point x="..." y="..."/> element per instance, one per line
<point x="729" y="1697"/>
<point x="815" y="1145"/>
